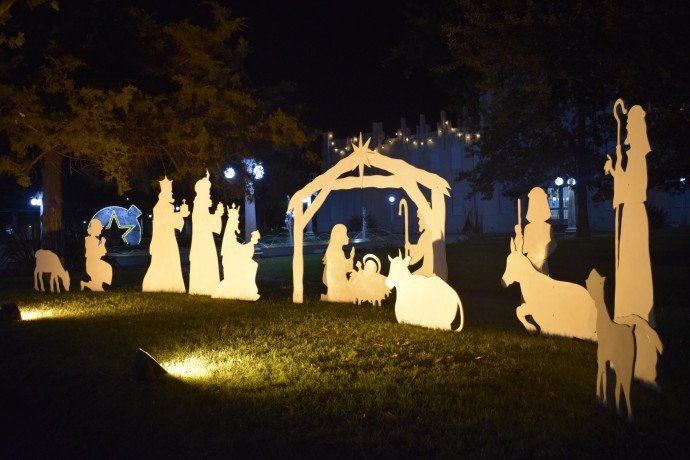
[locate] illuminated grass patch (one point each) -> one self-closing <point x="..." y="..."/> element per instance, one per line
<point x="271" y="379"/>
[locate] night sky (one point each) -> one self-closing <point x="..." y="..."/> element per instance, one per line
<point x="333" y="52"/>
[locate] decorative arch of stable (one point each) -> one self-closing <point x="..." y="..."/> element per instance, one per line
<point x="402" y="175"/>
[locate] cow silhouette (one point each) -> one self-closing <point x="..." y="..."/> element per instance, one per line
<point x="421" y="300"/>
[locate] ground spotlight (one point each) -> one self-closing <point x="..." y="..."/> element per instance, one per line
<point x="10" y="312"/>
<point x="146" y="368"/>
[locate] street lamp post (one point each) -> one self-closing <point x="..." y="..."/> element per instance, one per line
<point x="559" y="184"/>
<point x="391" y="200"/>
<point x="255" y="171"/>
<point x="37" y="200"/>
<point x="684" y="222"/>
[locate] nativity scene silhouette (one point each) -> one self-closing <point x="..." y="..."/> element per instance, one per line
<point x="204" y="274"/>
<point x="48" y="262"/>
<point x="165" y="270"/>
<point x="401" y="175"/>
<point x="100" y="272"/>
<point x="337" y="267"/>
<point x="367" y="283"/>
<point x="616" y="347"/>
<point x="426" y="301"/>
<point x="339" y="275"/>
<point x="422" y="251"/>
<point x="550" y="307"/>
<point x="536" y="239"/>
<point x="634" y="294"/>
<point x="239" y="266"/>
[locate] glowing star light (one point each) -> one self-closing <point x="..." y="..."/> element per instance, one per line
<point x="361" y="154"/>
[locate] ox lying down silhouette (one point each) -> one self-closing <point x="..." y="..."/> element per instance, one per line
<point x="556" y="308"/>
<point x="423" y="301"/>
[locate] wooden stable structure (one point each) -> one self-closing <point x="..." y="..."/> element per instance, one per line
<point x="401" y="175"/>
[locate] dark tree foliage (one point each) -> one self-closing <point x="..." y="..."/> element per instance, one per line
<point x="126" y="96"/>
<point x="546" y="75"/>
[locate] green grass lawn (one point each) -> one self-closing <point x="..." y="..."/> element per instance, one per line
<point x="273" y="379"/>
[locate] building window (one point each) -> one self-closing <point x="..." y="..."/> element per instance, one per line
<point x="559" y="202"/>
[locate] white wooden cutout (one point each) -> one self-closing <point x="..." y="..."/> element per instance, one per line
<point x="634" y="293"/>
<point x="402" y="175"/>
<point x="204" y="274"/>
<point x="48" y="262"/>
<point x="536" y="240"/>
<point x="100" y="272"/>
<point x="647" y="350"/>
<point x="165" y="270"/>
<point x="367" y="284"/>
<point x="558" y="308"/>
<point x="239" y="266"/>
<point x="634" y="289"/>
<point x="337" y="267"/>
<point x="616" y="345"/>
<point x="423" y="301"/>
<point x="423" y="250"/>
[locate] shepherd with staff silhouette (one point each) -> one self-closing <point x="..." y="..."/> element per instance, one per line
<point x="423" y="250"/>
<point x="634" y="290"/>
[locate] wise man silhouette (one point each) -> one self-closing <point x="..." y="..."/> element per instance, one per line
<point x="634" y="290"/>
<point x="165" y="271"/>
<point x="337" y="267"/>
<point x="536" y="240"/>
<point x="100" y="272"/>
<point x="239" y="266"/>
<point x="204" y="274"/>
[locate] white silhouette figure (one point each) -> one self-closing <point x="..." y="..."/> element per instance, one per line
<point x="337" y="267"/>
<point x="416" y="183"/>
<point x="537" y="241"/>
<point x="423" y="250"/>
<point x="204" y="274"/>
<point x="556" y="307"/>
<point x="634" y="289"/>
<point x="48" y="262"/>
<point x="423" y="300"/>
<point x="239" y="266"/>
<point x="616" y="346"/>
<point x="100" y="272"/>
<point x="634" y="294"/>
<point x="165" y="271"/>
<point x="648" y="347"/>
<point x="367" y="284"/>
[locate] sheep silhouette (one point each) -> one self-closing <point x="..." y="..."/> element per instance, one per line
<point x="48" y="262"/>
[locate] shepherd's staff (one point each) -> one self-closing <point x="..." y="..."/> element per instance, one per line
<point x="403" y="204"/>
<point x="619" y="102"/>
<point x="518" y="227"/>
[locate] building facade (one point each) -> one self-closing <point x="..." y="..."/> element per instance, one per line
<point x="445" y="150"/>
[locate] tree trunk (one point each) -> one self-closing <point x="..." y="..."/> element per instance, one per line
<point x="52" y="238"/>
<point x="582" y="213"/>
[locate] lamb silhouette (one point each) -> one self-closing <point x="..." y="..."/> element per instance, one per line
<point x="48" y="262"/>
